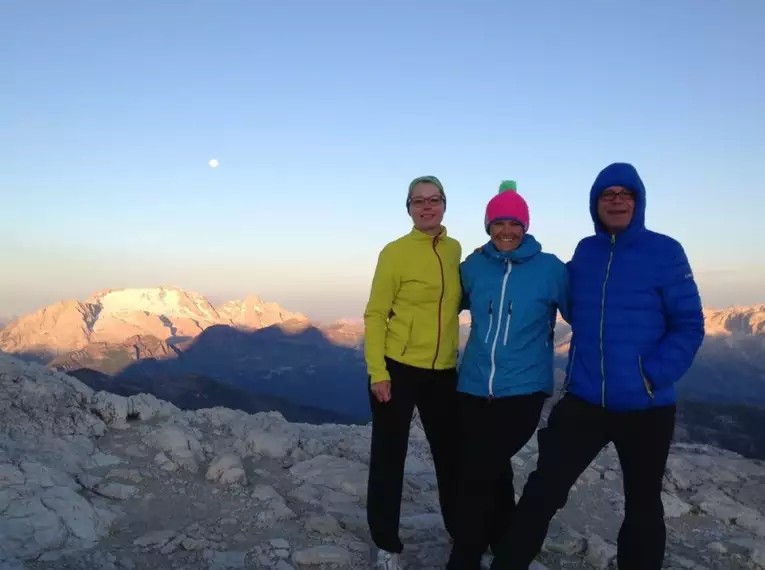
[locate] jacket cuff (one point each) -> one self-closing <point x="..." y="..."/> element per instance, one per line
<point x="380" y="378"/>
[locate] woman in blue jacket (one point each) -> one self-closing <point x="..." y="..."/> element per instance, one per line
<point x="513" y="291"/>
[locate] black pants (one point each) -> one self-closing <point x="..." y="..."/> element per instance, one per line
<point x="576" y="432"/>
<point x="433" y="392"/>
<point x="491" y="433"/>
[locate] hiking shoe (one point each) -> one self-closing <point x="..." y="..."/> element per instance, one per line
<point x="388" y="561"/>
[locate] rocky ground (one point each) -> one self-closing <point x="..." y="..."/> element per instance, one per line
<point x="98" y="481"/>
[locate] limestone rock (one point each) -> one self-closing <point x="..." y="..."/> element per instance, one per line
<point x="335" y="473"/>
<point x="324" y="554"/>
<point x="180" y="447"/>
<point x="600" y="553"/>
<point x="323" y="524"/>
<point x="227" y="469"/>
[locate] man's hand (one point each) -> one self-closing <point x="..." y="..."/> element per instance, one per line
<point x="381" y="390"/>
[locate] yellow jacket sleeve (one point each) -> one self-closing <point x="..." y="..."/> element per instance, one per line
<point x="385" y="285"/>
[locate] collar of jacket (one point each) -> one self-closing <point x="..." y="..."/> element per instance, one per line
<point x="422" y="236"/>
<point x="529" y="248"/>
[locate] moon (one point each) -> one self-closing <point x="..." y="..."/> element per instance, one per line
<point x="213" y="163"/>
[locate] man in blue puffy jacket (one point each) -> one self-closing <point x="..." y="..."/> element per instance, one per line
<point x="637" y="324"/>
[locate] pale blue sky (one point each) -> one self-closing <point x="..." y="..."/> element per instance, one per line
<point x="321" y="113"/>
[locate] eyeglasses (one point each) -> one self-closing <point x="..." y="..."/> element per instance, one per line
<point x="432" y="200"/>
<point x="610" y="195"/>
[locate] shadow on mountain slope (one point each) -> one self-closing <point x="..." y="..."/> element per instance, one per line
<point x="195" y="391"/>
<point x="727" y="371"/>
<point x="734" y="427"/>
<point x="293" y="361"/>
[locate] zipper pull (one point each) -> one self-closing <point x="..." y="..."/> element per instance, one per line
<point x="510" y="308"/>
<point x="490" y="306"/>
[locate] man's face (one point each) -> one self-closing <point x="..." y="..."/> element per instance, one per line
<point x="616" y="206"/>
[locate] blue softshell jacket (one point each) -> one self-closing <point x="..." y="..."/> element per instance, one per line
<point x="513" y="299"/>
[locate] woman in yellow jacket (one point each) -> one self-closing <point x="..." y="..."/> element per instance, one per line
<point x="411" y="343"/>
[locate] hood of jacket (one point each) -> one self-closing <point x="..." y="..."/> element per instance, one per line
<point x="619" y="174"/>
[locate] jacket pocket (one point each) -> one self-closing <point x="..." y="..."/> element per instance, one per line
<point x="400" y="330"/>
<point x="491" y="323"/>
<point x="646" y="382"/>
<point x="408" y="337"/>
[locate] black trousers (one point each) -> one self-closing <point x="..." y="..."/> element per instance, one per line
<point x="491" y="433"/>
<point x="433" y="392"/>
<point x="576" y="432"/>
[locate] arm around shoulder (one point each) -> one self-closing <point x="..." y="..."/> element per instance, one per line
<point x="673" y="355"/>
<point x="465" y="301"/>
<point x="563" y="290"/>
<point x="385" y="284"/>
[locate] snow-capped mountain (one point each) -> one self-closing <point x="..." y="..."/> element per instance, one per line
<point x="746" y="321"/>
<point x="168" y="314"/>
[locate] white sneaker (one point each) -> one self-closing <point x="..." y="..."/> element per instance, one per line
<point x="388" y="561"/>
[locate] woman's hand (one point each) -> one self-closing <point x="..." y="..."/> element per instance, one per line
<point x="381" y="390"/>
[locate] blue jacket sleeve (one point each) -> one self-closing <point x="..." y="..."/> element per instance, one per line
<point x="465" y="302"/>
<point x="563" y="293"/>
<point x="671" y="358"/>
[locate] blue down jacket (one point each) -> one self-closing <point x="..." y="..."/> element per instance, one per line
<point x="636" y="315"/>
<point x="513" y="299"/>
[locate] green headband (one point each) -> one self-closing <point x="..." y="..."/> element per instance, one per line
<point x="427" y="179"/>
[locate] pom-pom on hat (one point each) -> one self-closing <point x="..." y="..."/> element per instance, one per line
<point x="507" y="205"/>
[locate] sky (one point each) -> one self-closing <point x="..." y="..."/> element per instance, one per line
<point x="320" y="114"/>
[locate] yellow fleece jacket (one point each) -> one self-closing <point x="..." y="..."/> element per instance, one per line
<point x="412" y="313"/>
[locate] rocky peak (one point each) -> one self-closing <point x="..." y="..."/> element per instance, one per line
<point x="95" y="480"/>
<point x="252" y="312"/>
<point x="60" y="327"/>
<point x="747" y="321"/>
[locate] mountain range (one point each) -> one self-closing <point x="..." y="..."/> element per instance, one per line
<point x="156" y="339"/>
<point x="110" y="317"/>
<point x="255" y="355"/>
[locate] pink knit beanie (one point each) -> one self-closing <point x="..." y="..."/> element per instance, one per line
<point x="507" y="205"/>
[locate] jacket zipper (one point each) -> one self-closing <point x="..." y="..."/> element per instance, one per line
<point x="440" y="300"/>
<point x="508" y="268"/>
<point x="507" y="322"/>
<point x="491" y="318"/>
<point x="602" y="322"/>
